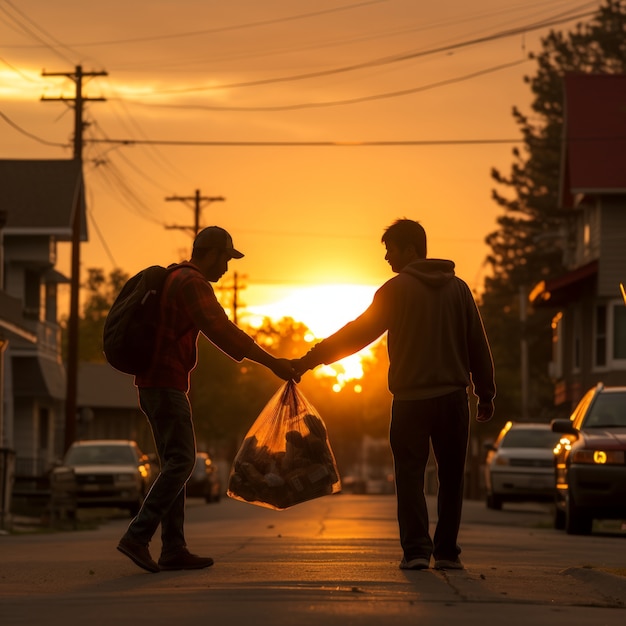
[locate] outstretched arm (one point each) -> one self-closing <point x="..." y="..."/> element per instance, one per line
<point x="283" y="368"/>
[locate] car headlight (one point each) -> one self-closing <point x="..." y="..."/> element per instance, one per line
<point x="598" y="457"/>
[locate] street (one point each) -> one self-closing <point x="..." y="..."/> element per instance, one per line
<point x="331" y="561"/>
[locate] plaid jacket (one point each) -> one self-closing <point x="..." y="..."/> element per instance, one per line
<point x="188" y="307"/>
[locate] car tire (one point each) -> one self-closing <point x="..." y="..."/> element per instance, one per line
<point x="494" y="502"/>
<point x="577" y="522"/>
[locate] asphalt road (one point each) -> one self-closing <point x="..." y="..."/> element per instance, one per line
<point x="331" y="562"/>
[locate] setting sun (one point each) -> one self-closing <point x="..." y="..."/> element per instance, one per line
<point x="324" y="309"/>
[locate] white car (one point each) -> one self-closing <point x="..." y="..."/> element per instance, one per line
<point x="108" y="473"/>
<point x="520" y="464"/>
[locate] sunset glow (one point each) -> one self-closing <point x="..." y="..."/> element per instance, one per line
<point x="317" y="128"/>
<point x="324" y="309"/>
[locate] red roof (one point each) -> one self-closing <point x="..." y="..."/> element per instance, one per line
<point x="595" y="134"/>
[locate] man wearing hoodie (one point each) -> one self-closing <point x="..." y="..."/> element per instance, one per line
<point x="437" y="348"/>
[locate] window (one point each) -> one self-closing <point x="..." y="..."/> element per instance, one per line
<point x="618" y="311"/>
<point x="32" y="295"/>
<point x="588" y="228"/>
<point x="610" y="335"/>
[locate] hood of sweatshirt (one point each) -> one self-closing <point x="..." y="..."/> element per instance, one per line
<point x="432" y="272"/>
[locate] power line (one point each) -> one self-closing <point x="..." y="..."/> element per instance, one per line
<point x="396" y="58"/>
<point x="310" y="105"/>
<point x="406" y="29"/>
<point x="19" y="129"/>
<point x="341" y="144"/>
<point x="27" y="30"/>
<point x="315" y="144"/>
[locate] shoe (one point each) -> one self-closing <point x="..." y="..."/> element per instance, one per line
<point x="420" y="563"/>
<point x="183" y="559"/>
<point x="449" y="564"/>
<point x="138" y="553"/>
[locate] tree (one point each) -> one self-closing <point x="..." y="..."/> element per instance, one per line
<point x="101" y="291"/>
<point x="528" y="245"/>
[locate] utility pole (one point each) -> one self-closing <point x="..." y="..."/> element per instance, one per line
<point x="197" y="201"/>
<point x="236" y="287"/>
<point x="72" y="339"/>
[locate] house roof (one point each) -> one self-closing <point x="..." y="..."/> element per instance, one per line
<point x="40" y="197"/>
<point x="594" y="150"/>
<point x="101" y="386"/>
<point x="38" y="377"/>
<point x="564" y="288"/>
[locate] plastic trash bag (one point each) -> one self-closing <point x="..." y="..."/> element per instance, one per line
<point x="286" y="457"/>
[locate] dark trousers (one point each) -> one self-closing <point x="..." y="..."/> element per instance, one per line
<point x="169" y="414"/>
<point x="415" y="424"/>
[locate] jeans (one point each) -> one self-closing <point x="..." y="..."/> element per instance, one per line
<point x="169" y="414"/>
<point x="415" y="424"/>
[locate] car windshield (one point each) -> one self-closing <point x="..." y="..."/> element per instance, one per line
<point x="100" y="455"/>
<point x="607" y="411"/>
<point x="529" y="438"/>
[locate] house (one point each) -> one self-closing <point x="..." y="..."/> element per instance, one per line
<point x="589" y="325"/>
<point x="107" y="406"/>
<point x="12" y="327"/>
<point x="40" y="198"/>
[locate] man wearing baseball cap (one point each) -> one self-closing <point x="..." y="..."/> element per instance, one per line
<point x="188" y="307"/>
<point x="216" y="238"/>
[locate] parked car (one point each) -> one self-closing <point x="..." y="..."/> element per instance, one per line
<point x="204" y="481"/>
<point x="590" y="461"/>
<point x="108" y="473"/>
<point x="520" y="464"/>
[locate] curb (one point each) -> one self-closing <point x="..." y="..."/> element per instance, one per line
<point x="609" y="585"/>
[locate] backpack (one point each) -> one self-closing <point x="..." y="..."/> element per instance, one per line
<point x="130" y="328"/>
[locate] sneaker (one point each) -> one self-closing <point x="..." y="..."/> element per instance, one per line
<point x="138" y="553"/>
<point x="183" y="559"/>
<point x="420" y="563"/>
<point x="449" y="564"/>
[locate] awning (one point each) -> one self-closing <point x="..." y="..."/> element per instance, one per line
<point x="38" y="377"/>
<point x="52" y="276"/>
<point x="563" y="289"/>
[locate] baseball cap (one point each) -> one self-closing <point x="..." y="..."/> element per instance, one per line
<point x="216" y="237"/>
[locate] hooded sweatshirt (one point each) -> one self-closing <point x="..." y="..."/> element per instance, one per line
<point x="435" y="336"/>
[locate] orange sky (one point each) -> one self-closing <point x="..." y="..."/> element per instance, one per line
<point x="283" y="72"/>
